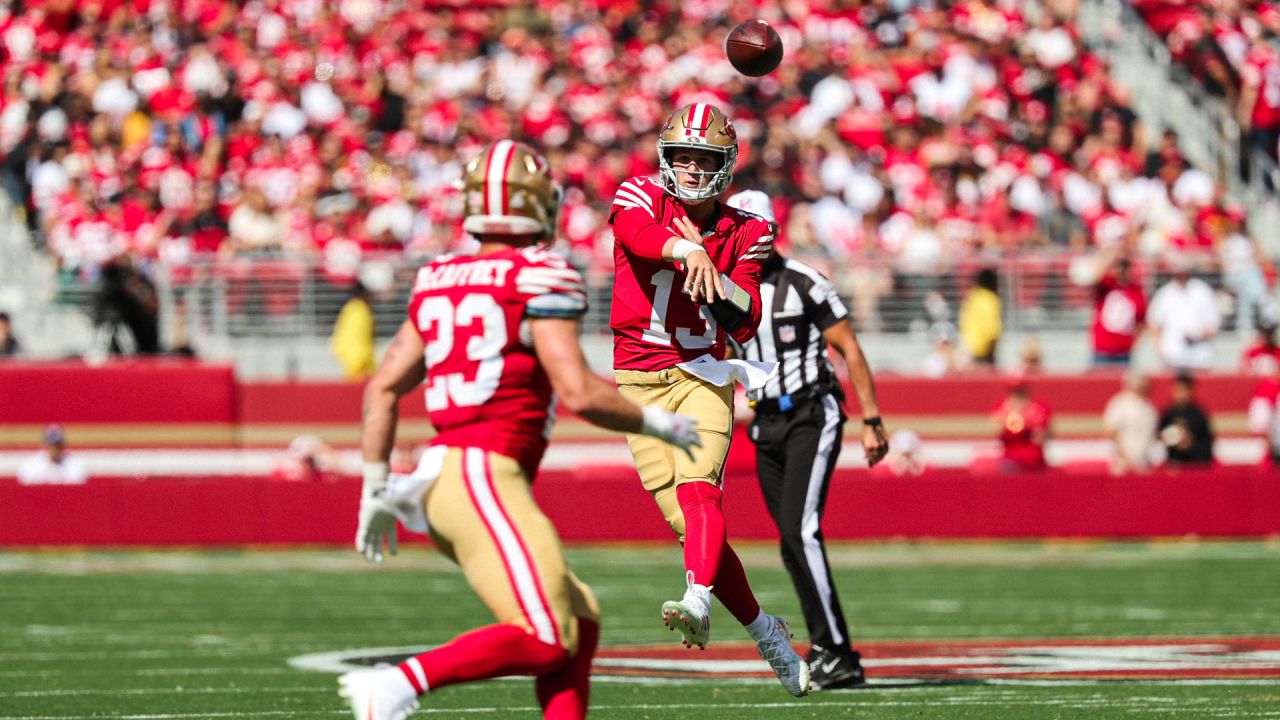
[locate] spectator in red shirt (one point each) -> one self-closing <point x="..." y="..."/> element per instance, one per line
<point x="1263" y="419"/>
<point x="1259" y="105"/>
<point x="1120" y="310"/>
<point x="1262" y="357"/>
<point x="1023" y="426"/>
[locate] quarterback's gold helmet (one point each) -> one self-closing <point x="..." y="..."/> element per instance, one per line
<point x="507" y="190"/>
<point x="700" y="126"/>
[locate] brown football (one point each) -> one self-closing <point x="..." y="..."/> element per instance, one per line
<point x="754" y="48"/>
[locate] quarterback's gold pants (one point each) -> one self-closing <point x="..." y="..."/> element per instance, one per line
<point x="663" y="467"/>
<point x="484" y="518"/>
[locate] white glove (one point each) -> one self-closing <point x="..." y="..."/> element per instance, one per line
<point x="377" y="517"/>
<point x="669" y="427"/>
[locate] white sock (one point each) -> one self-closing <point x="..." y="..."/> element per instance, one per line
<point x="760" y="628"/>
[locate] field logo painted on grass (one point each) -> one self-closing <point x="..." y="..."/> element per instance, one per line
<point x="960" y="661"/>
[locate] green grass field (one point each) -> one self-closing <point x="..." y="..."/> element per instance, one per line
<point x="170" y="634"/>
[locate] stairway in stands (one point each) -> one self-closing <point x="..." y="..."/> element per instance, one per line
<point x="1165" y="97"/>
<point x="46" y="328"/>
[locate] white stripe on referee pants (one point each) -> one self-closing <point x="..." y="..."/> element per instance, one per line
<point x="764" y="339"/>
<point x="810" y="522"/>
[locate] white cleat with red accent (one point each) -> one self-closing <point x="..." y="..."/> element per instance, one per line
<point x="378" y="694"/>
<point x="691" y="615"/>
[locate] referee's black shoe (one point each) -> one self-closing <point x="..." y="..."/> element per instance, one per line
<point x="832" y="670"/>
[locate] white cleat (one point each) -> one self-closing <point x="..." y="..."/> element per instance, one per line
<point x="378" y="694"/>
<point x="775" y="648"/>
<point x="691" y="615"/>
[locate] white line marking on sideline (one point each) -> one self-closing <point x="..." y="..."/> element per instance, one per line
<point x="173" y="715"/>
<point x="850" y="699"/>
<point x="163" y="691"/>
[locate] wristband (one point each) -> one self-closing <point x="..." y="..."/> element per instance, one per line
<point x="873" y="421"/>
<point x="375" y="474"/>
<point x="683" y="248"/>
<point x="656" y="422"/>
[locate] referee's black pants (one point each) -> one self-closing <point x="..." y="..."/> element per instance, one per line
<point x="795" y="455"/>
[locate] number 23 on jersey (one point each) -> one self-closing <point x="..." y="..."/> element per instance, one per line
<point x="477" y="320"/>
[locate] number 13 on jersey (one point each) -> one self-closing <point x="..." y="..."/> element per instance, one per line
<point x="662" y="281"/>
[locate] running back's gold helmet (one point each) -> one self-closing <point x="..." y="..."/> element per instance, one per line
<point x="507" y="190"/>
<point x="700" y="126"/>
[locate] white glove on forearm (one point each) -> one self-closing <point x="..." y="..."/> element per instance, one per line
<point x="678" y="430"/>
<point x="377" y="518"/>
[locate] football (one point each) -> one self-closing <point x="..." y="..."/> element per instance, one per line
<point x="754" y="48"/>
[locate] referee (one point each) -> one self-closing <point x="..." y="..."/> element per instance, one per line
<point x="798" y="428"/>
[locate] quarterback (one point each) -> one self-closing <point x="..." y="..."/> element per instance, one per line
<point x="492" y="336"/>
<point x="687" y="273"/>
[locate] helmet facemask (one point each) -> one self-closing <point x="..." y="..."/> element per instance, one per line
<point x="713" y="183"/>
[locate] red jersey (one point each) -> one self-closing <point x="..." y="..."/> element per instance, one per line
<point x="655" y="324"/>
<point x="1261" y="71"/>
<point x="1019" y="428"/>
<point x="1119" y="311"/>
<point x="1259" y="360"/>
<point x="484" y="385"/>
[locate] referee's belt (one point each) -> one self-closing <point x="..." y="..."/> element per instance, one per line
<point x="789" y="401"/>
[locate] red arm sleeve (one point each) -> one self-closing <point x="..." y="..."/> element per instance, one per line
<point x="756" y="245"/>
<point x="636" y="232"/>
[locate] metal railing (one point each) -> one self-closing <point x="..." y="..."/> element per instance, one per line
<point x="215" y="303"/>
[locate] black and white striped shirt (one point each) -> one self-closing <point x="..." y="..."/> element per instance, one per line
<point x="797" y="304"/>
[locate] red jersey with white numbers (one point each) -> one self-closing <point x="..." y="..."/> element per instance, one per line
<point x="1119" y="311"/>
<point x="484" y="385"/>
<point x="655" y="324"/>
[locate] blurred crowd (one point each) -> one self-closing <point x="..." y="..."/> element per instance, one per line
<point x="905" y="132"/>
<point x="1232" y="47"/>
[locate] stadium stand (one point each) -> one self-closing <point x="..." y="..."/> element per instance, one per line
<point x="239" y="164"/>
<point x="260" y="153"/>
<point x="1230" y="48"/>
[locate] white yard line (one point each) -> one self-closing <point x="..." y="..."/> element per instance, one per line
<point x="89" y="692"/>
<point x="853" y="698"/>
